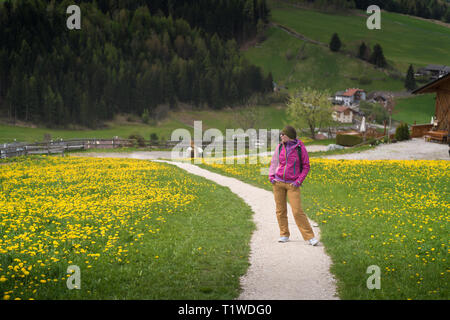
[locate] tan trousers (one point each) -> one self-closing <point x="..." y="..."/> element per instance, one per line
<point x="280" y="190"/>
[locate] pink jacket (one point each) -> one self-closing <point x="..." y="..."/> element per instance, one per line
<point x="286" y="167"/>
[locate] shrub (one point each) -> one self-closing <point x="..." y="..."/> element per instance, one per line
<point x="139" y="139"/>
<point x="270" y="98"/>
<point x="289" y="54"/>
<point x="402" y="132"/>
<point x="365" y="80"/>
<point x="153" y="137"/>
<point x="348" y="140"/>
<point x="145" y="116"/>
<point x="335" y="43"/>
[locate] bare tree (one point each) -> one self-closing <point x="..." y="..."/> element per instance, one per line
<point x="311" y="108"/>
<point x="249" y="117"/>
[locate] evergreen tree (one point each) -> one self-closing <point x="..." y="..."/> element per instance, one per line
<point x="377" y="58"/>
<point x="363" y="52"/>
<point x="335" y="43"/>
<point x="410" y="82"/>
<point x="447" y="15"/>
<point x="269" y="83"/>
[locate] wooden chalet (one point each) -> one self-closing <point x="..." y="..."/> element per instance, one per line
<point x="439" y="130"/>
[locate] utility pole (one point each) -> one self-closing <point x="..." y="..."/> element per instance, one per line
<point x="389" y="130"/>
<point x="390" y="108"/>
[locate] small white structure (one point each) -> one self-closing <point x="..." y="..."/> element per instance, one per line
<point x="197" y="152"/>
<point x="334" y="147"/>
<point x="362" y="128"/>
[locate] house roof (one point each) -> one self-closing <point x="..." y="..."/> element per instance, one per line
<point x="351" y="92"/>
<point x="433" y="85"/>
<point x="435" y="67"/>
<point x="341" y="108"/>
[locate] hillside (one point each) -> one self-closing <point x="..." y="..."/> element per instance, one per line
<point x="293" y="63"/>
<point x="127" y="57"/>
<point x="317" y="66"/>
<point x="405" y="40"/>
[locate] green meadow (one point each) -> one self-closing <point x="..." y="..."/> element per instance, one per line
<point x="273" y="116"/>
<point x="389" y="214"/>
<point x="405" y="40"/>
<point x="136" y="229"/>
<point x="320" y="68"/>
<point x="417" y="109"/>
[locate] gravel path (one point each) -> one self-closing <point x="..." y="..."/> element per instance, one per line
<point x="280" y="271"/>
<point x="414" y="149"/>
<point x="165" y="154"/>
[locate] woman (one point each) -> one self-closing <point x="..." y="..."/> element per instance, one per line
<point x="288" y="170"/>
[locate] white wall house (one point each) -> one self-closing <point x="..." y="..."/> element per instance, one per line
<point x="350" y="96"/>
<point x="342" y="114"/>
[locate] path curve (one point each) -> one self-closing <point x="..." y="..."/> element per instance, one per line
<point x="280" y="271"/>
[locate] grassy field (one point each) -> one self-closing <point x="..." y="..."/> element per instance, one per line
<point x="273" y="116"/>
<point x="405" y="40"/>
<point x="392" y="214"/>
<point x="134" y="236"/>
<point x="418" y="108"/>
<point x="9" y="132"/>
<point x="320" y="69"/>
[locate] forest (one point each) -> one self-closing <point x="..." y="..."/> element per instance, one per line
<point x="428" y="9"/>
<point x="128" y="57"/>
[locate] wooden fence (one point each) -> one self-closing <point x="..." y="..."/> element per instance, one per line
<point x="61" y="146"/>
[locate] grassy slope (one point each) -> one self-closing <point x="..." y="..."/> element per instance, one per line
<point x="399" y="37"/>
<point x="419" y="108"/>
<point x="8" y="132"/>
<point x="273" y="117"/>
<point x="321" y="69"/>
<point x="404" y="39"/>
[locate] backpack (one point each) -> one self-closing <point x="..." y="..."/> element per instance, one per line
<point x="299" y="151"/>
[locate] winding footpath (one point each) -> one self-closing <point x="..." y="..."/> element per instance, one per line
<point x="278" y="271"/>
<point x="294" y="270"/>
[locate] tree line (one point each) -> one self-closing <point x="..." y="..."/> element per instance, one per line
<point x="376" y="57"/>
<point x="428" y="9"/>
<point x="128" y="57"/>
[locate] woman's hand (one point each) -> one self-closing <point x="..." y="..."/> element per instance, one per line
<point x="295" y="184"/>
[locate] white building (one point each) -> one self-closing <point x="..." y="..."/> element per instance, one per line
<point x="342" y="114"/>
<point x="350" y="96"/>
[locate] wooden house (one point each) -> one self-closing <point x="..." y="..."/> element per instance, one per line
<point x="342" y="114"/>
<point x="441" y="87"/>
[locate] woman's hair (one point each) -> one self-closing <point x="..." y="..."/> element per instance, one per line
<point x="290" y="132"/>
